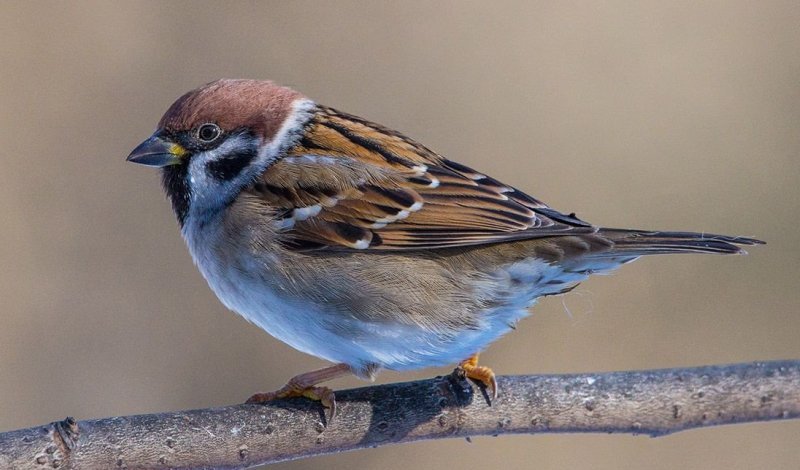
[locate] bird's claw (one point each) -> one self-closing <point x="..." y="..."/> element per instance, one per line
<point x="481" y="374"/>
<point x="324" y="395"/>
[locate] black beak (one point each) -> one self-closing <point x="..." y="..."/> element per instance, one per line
<point x="157" y="152"/>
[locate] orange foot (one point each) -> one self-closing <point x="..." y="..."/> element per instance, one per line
<point x="304" y="385"/>
<point x="481" y="374"/>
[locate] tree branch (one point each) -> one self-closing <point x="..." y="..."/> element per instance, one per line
<point x="647" y="402"/>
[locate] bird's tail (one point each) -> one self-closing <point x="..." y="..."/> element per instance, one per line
<point x="628" y="242"/>
<point x="609" y="248"/>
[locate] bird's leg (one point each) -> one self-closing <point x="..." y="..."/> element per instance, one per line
<point x="481" y="374"/>
<point x="304" y="385"/>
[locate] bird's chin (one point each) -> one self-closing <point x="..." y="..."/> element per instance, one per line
<point x="176" y="186"/>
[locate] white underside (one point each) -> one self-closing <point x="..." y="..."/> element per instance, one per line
<point x="337" y="337"/>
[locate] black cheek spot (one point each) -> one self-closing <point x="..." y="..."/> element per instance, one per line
<point x="229" y="166"/>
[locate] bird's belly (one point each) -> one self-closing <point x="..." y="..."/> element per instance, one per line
<point x="322" y="330"/>
<point x="339" y="337"/>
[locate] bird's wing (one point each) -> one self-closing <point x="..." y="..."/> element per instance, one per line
<point x="350" y="183"/>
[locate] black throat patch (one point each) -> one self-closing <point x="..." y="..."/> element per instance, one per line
<point x="173" y="178"/>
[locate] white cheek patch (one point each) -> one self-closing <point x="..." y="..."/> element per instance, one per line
<point x="209" y="193"/>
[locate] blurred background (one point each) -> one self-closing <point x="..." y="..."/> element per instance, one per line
<point x="663" y="115"/>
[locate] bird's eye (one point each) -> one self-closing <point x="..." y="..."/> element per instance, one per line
<point x="208" y="133"/>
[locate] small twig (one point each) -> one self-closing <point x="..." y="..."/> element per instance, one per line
<point x="648" y="402"/>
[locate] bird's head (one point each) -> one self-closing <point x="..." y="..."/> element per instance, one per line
<point x="217" y="138"/>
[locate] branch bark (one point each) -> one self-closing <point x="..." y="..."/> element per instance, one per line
<point x="654" y="402"/>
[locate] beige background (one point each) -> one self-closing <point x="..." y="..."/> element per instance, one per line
<point x="642" y="114"/>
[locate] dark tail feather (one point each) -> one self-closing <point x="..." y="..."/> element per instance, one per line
<point x="641" y="242"/>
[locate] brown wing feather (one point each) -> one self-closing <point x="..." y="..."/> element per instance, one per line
<point x="350" y="183"/>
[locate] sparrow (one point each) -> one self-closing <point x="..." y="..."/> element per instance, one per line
<point x="356" y="244"/>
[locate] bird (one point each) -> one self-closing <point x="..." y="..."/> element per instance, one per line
<point x="356" y="244"/>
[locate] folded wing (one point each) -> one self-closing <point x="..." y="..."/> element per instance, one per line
<point x="353" y="184"/>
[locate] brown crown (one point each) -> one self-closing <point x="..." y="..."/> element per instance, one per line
<point x="259" y="105"/>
